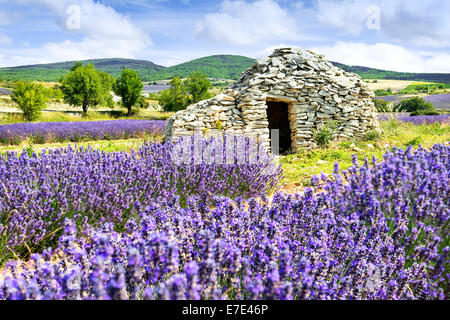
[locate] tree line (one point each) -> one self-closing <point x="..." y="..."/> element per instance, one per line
<point x="85" y="86"/>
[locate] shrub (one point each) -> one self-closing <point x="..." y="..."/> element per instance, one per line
<point x="372" y="135"/>
<point x="31" y="98"/>
<point x="414" y="105"/>
<point x="324" y="134"/>
<point x="425" y="113"/>
<point x="382" y="92"/>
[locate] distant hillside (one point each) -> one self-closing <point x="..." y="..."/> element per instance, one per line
<point x="53" y="71"/>
<point x="218" y="66"/>
<point x="371" y="73"/>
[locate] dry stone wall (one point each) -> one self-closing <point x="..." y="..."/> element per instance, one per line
<point x="316" y="92"/>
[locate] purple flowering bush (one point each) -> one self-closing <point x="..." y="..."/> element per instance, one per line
<point x="93" y="187"/>
<point x="376" y="231"/>
<point x="46" y="132"/>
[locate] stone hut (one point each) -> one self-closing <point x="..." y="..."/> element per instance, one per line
<point x="293" y="90"/>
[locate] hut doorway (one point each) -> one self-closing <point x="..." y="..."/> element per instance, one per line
<point x="278" y="117"/>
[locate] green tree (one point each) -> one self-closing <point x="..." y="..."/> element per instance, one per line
<point x="31" y="98"/>
<point x="175" y="98"/>
<point x="76" y="66"/>
<point x="129" y="87"/>
<point x="85" y="86"/>
<point x="198" y="85"/>
<point x="381" y="92"/>
<point x="415" y="105"/>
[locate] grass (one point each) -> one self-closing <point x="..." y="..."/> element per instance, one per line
<point x="126" y="145"/>
<point x="414" y="85"/>
<point x="11" y="118"/>
<point x="300" y="167"/>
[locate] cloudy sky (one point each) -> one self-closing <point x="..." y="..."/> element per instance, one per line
<point x="400" y="35"/>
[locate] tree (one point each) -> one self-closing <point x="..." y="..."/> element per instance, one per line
<point x="415" y="105"/>
<point x="182" y="93"/>
<point x="129" y="87"/>
<point x="85" y="86"/>
<point x="175" y="98"/>
<point x="198" y="85"/>
<point x="31" y="98"/>
<point x="76" y="66"/>
<point x="381" y="92"/>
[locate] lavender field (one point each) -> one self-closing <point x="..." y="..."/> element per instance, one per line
<point x="439" y="101"/>
<point x="445" y="119"/>
<point x="378" y="230"/>
<point x="156" y="88"/>
<point x="46" y="132"/>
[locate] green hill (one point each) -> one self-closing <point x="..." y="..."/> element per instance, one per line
<point x="371" y="73"/>
<point x="218" y="66"/>
<point x="53" y="71"/>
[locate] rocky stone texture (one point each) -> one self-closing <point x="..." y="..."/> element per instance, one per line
<point x="315" y="90"/>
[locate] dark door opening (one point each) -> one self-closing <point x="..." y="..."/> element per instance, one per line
<point x="278" y="116"/>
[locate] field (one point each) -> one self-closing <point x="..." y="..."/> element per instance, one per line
<point x="51" y="132"/>
<point x="96" y="207"/>
<point x="126" y="220"/>
<point x="414" y="85"/>
<point x="382" y="84"/>
<point x="439" y="101"/>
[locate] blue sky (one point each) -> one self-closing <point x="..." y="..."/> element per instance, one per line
<point x="401" y="35"/>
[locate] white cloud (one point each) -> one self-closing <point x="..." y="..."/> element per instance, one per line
<point x="347" y="16"/>
<point x="386" y="56"/>
<point x="417" y="22"/>
<point x="244" y="23"/>
<point x="105" y="33"/>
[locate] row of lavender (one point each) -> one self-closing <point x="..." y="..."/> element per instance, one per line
<point x="46" y="132"/>
<point x="418" y="120"/>
<point x="439" y="101"/>
<point x="377" y="231"/>
<point x="122" y="129"/>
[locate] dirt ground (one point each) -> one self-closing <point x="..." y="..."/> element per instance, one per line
<point x="395" y="85"/>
